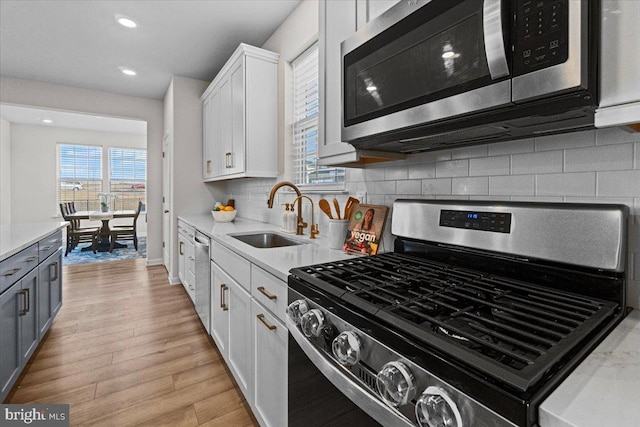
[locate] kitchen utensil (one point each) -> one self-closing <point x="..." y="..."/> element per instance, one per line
<point x="325" y="207"/>
<point x="349" y="206"/>
<point x="337" y="206"/>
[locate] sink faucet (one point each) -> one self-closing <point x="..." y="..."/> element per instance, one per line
<point x="314" y="227"/>
<point x="272" y="194"/>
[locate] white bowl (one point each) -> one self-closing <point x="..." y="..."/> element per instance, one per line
<point x="224" y="216"/>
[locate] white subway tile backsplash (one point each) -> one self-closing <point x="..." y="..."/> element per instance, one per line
<point x="422" y="170"/>
<point x="616" y="135"/>
<point x="487" y="166"/>
<point x="354" y="175"/>
<point x="546" y="199"/>
<point x="436" y="186"/>
<point x="566" y="184"/>
<point x="601" y="158"/>
<point x="476" y="186"/>
<point x="511" y="147"/>
<point x="491" y="198"/>
<point x="469" y="152"/>
<point x="566" y="140"/>
<point x="636" y="149"/>
<point x="374" y="174"/>
<point x="429" y="156"/>
<point x="384" y="187"/>
<point x="452" y="168"/>
<point x="521" y="185"/>
<point x="395" y="173"/>
<point x="536" y="163"/>
<point x="409" y="186"/>
<point x="619" y="183"/>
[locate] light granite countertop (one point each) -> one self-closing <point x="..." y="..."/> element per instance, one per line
<point x="277" y="261"/>
<point x="17" y="236"/>
<point x="604" y="388"/>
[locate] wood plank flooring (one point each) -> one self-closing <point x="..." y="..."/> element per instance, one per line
<point x="128" y="349"/>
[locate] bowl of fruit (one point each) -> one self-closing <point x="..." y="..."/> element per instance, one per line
<point x="223" y="213"/>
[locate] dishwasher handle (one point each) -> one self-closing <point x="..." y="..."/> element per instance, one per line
<point x="199" y="242"/>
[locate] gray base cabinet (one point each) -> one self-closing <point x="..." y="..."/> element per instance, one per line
<point x="30" y="297"/>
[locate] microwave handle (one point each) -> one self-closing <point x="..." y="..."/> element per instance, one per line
<point x="494" y="39"/>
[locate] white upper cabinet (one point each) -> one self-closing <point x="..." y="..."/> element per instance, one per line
<point x="239" y="117"/>
<point x="339" y="20"/>
<point x="619" y="65"/>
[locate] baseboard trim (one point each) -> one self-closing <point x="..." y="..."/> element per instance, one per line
<point x="174" y="281"/>
<point x="157" y="261"/>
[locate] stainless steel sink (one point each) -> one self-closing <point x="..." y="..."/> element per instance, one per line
<point x="266" y="240"/>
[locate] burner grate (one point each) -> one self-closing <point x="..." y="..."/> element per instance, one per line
<point x="478" y="317"/>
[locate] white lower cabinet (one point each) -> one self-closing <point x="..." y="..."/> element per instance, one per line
<point x="247" y="315"/>
<point x="270" y="339"/>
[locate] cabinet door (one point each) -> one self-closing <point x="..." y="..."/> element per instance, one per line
<point x="270" y="367"/>
<point x="211" y="135"/>
<point x="29" y="332"/>
<point x="11" y="304"/>
<point x="237" y="107"/>
<point x="48" y="278"/>
<point x="55" y="286"/>
<point x="181" y="261"/>
<point x="220" y="309"/>
<point x="240" y="328"/>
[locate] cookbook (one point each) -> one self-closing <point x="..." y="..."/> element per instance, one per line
<point x="365" y="229"/>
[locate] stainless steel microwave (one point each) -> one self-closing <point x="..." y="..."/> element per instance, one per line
<point x="431" y="74"/>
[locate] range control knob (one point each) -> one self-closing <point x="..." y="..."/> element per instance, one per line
<point x="296" y="309"/>
<point x="312" y="322"/>
<point x="396" y="384"/>
<point x="347" y="348"/>
<point x="435" y="408"/>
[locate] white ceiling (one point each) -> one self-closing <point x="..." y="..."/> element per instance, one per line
<point x="79" y="43"/>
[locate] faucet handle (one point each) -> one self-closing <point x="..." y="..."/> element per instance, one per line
<point x="314" y="231"/>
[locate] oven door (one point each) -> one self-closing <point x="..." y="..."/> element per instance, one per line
<point x="424" y="61"/>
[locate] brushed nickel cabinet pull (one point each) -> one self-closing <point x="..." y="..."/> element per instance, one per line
<point x="264" y="322"/>
<point x="223" y="305"/>
<point x="180" y="248"/>
<point x="31" y="259"/>
<point x="28" y="303"/>
<point x="266" y="293"/>
<point x="11" y="272"/>
<point x="46" y="248"/>
<point x="55" y="269"/>
<point x="208" y="166"/>
<point x="24" y="302"/>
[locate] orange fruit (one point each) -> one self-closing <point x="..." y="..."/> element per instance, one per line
<point x="221" y="207"/>
<point x="228" y="208"/>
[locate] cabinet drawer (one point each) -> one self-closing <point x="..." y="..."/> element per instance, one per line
<point x="15" y="267"/>
<point x="49" y="245"/>
<point x="270" y="291"/>
<point x="236" y="266"/>
<point x="185" y="230"/>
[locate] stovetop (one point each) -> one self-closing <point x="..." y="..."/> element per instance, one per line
<point x="513" y="330"/>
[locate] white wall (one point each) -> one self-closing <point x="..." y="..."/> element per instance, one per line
<point x="66" y="98"/>
<point x="5" y="171"/>
<point x="34" y="177"/>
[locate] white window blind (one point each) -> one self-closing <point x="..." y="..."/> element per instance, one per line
<point x="79" y="175"/>
<point x="127" y="176"/>
<point x="306" y="171"/>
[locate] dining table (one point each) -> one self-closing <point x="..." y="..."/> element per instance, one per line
<point x="105" y="230"/>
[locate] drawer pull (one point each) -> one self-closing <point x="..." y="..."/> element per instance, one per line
<point x="266" y="293"/>
<point x="46" y="248"/>
<point x="31" y="259"/>
<point x="223" y="305"/>
<point x="264" y="322"/>
<point x="12" y="272"/>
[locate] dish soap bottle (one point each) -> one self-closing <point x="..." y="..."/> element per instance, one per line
<point x="288" y="219"/>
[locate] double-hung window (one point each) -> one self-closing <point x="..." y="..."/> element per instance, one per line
<point x="306" y="171"/>
<point x="80" y="175"/>
<point x="127" y="176"/>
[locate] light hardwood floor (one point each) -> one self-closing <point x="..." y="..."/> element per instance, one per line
<point x="128" y="349"/>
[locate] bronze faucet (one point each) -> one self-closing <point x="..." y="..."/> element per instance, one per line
<point x="272" y="194"/>
<point x="314" y="227"/>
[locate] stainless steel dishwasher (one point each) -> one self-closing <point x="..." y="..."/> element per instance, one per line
<point x="203" y="277"/>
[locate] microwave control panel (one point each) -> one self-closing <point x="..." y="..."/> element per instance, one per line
<point x="498" y="222"/>
<point x="541" y="34"/>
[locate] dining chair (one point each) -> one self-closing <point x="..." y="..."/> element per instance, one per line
<point x="126" y="232"/>
<point x="77" y="234"/>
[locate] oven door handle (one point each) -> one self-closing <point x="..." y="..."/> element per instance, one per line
<point x="493" y="38"/>
<point x="373" y="406"/>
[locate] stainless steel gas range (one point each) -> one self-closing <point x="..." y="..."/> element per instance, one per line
<point x="481" y="310"/>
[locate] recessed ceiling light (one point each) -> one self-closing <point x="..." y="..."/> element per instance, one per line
<point x="125" y="21"/>
<point x="126" y="70"/>
<point x="47" y="121"/>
